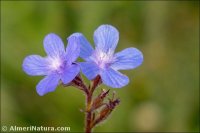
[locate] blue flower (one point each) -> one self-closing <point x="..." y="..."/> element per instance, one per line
<point x="57" y="65"/>
<point x="102" y="60"/>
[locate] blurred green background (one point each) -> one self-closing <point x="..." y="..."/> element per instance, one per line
<point x="163" y="93"/>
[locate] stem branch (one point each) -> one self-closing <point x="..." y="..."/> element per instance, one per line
<point x="89" y="102"/>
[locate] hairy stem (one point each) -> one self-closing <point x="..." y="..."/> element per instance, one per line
<point x="92" y="118"/>
<point x="88" y="121"/>
<point x="89" y="102"/>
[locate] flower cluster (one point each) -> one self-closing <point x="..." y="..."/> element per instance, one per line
<point x="60" y="64"/>
<point x="101" y="65"/>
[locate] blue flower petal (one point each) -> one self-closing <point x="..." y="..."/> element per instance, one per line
<point x="35" y="65"/>
<point x="48" y="84"/>
<point x="127" y="59"/>
<point x="53" y="45"/>
<point x="106" y="38"/>
<point x="114" y="78"/>
<point x="73" y="49"/>
<point x="70" y="73"/>
<point x="86" y="48"/>
<point x="89" y="69"/>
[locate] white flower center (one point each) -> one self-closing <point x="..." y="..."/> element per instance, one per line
<point x="102" y="59"/>
<point x="55" y="63"/>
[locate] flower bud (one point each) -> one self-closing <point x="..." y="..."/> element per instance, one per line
<point x="98" y="101"/>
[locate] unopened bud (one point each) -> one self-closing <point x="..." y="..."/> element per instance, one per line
<point x="98" y="101"/>
<point x="106" y="111"/>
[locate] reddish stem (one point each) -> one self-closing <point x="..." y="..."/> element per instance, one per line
<point x="88" y="121"/>
<point x="89" y="102"/>
<point x="91" y="120"/>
